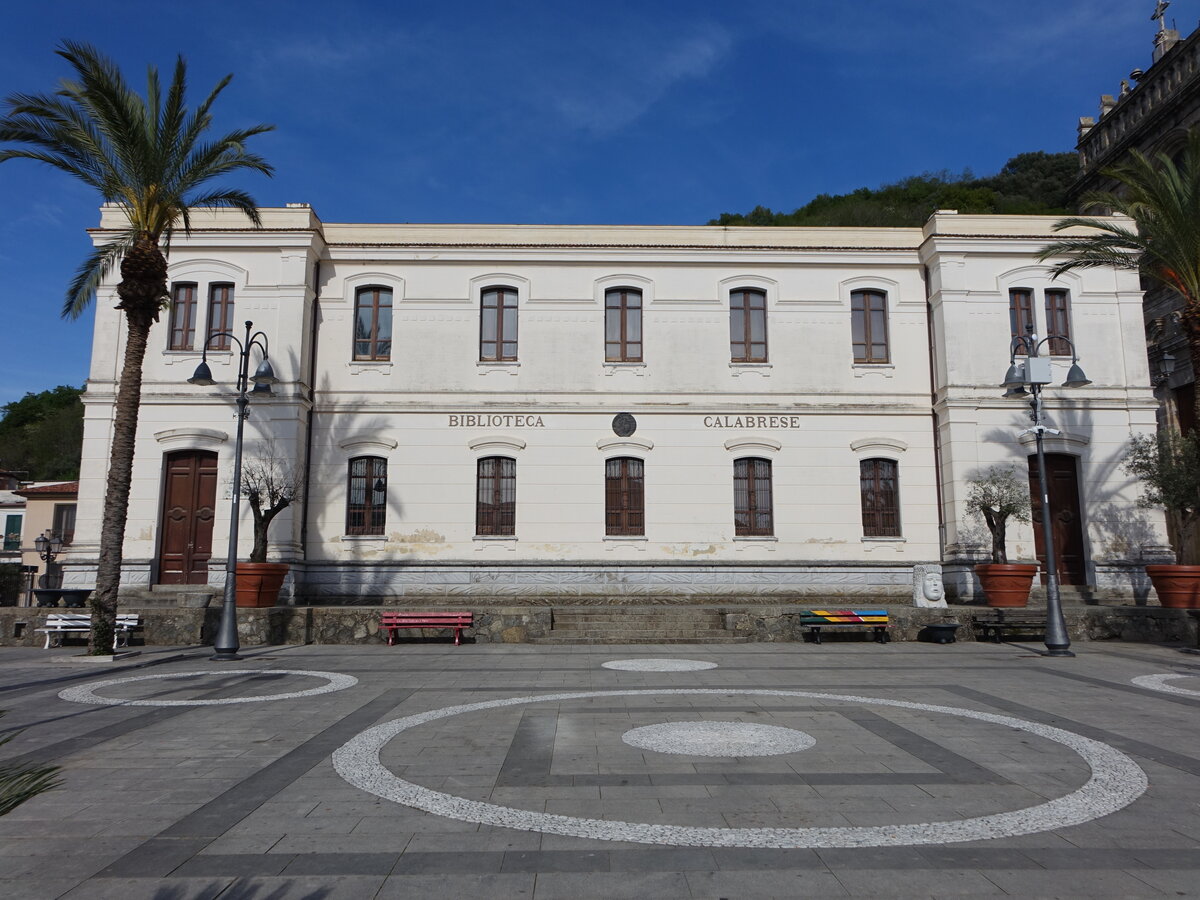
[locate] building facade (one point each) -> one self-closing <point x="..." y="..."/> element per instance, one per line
<point x="578" y="414"/>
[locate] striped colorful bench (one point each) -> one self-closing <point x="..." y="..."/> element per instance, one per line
<point x="874" y="619"/>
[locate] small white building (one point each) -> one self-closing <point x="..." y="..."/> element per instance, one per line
<point x="582" y="413"/>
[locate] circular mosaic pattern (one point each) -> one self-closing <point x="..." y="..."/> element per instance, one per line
<point x="1116" y="781"/>
<point x="86" y="693"/>
<point x="732" y="739"/>
<point x="658" y="665"/>
<point x="1159" y="683"/>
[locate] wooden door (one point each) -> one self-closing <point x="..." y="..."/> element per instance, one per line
<point x="189" y="495"/>
<point x="1065" y="518"/>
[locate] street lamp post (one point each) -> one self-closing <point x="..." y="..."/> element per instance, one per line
<point x="1034" y="373"/>
<point x="226" y="643"/>
<point x="48" y="547"/>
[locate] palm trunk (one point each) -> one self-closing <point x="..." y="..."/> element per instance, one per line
<point x="1190" y="320"/>
<point x="141" y="290"/>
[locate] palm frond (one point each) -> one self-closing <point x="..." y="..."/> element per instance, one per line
<point x="92" y="272"/>
<point x="19" y="783"/>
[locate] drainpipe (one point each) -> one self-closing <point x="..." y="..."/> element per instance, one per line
<point x="937" y="438"/>
<point x="308" y="431"/>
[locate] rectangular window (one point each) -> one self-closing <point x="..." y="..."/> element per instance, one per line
<point x="752" y="502"/>
<point x="496" y="497"/>
<point x="879" y="479"/>
<point x="498" y="325"/>
<point x="624" y="497"/>
<point x="220" y="316"/>
<point x="623" y="326"/>
<point x="183" y="317"/>
<point x="747" y="326"/>
<point x="1020" y="312"/>
<point x="64" y="522"/>
<point x="373" y="324"/>
<point x="12" y="532"/>
<point x="1058" y="322"/>
<point x="869" y="327"/>
<point x="366" y="495"/>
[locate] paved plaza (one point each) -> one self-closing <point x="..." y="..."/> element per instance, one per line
<point x="720" y="771"/>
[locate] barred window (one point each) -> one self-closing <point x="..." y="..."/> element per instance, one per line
<point x="183" y="317"/>
<point x="496" y="496"/>
<point x="752" y="502"/>
<point x="498" y="324"/>
<point x="624" y="497"/>
<point x="373" y="324"/>
<point x="869" y="327"/>
<point x="623" y="325"/>
<point x="747" y="326"/>
<point x="879" y="482"/>
<point x="220" y="316"/>
<point x="366" y="495"/>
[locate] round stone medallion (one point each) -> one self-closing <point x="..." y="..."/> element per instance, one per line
<point x="624" y="424"/>
<point x="731" y="739"/>
<point x="1115" y="782"/>
<point x="86" y="693"/>
<point x="658" y="665"/>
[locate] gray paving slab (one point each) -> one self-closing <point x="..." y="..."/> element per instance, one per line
<point x="243" y="800"/>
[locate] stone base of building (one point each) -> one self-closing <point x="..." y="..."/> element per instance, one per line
<point x="496" y="623"/>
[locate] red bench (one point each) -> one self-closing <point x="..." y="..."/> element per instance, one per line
<point x="391" y="621"/>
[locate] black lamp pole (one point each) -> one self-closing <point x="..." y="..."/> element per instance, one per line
<point x="1033" y="373"/>
<point x="226" y="644"/>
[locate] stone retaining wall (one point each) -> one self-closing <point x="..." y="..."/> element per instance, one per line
<point x="519" y="624"/>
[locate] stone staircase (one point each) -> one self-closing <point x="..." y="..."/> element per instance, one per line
<point x="638" y="625"/>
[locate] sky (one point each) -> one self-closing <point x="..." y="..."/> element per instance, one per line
<point x="560" y="112"/>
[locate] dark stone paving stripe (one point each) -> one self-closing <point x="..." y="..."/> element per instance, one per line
<point x="769" y="779"/>
<point x="1187" y="764"/>
<point x="946" y="761"/>
<point x="1127" y="688"/>
<point x="177" y="843"/>
<point x="531" y="751"/>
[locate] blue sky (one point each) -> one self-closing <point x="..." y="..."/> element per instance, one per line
<point x="563" y="112"/>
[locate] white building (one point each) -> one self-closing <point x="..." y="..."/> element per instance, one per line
<point x="565" y="413"/>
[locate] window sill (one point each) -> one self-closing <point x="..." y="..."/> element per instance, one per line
<point x="756" y="537"/>
<point x="887" y="370"/>
<point x="495" y="537"/>
<point x="884" y="540"/>
<point x="625" y="537"/>
<point x="487" y="366"/>
<point x="374" y="366"/>
<point x="636" y="368"/>
<point x="363" y="538"/>
<point x="736" y="369"/>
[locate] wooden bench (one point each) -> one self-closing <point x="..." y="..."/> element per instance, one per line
<point x="59" y="625"/>
<point x="876" y="620"/>
<point x="995" y="624"/>
<point x="393" y="621"/>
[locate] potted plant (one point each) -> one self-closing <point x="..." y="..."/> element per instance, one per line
<point x="271" y="485"/>
<point x="1168" y="464"/>
<point x="996" y="495"/>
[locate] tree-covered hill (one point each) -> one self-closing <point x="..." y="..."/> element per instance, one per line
<point x="41" y="435"/>
<point x="1029" y="184"/>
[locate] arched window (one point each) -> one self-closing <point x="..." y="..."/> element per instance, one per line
<point x="498" y="324"/>
<point x="1020" y="312"/>
<point x="373" y="323"/>
<point x="747" y="326"/>
<point x="1058" y="321"/>
<point x="869" y="326"/>
<point x="880" y="486"/>
<point x="753" y="505"/>
<point x="366" y="495"/>
<point x="623" y="325"/>
<point x="496" y="496"/>
<point x="624" y="497"/>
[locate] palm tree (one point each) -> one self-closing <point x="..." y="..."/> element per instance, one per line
<point x="1162" y="197"/>
<point x="150" y="156"/>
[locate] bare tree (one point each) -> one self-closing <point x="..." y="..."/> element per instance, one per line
<point x="271" y="484"/>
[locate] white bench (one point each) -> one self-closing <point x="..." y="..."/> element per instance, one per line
<point x="59" y="625"/>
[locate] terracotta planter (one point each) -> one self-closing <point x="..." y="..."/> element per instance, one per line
<point x="1006" y="584"/>
<point x="1178" y="587"/>
<point x="258" y="583"/>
